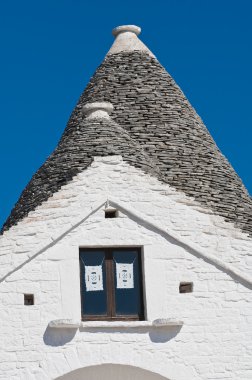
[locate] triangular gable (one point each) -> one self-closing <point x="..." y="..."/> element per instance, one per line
<point x="148" y="223"/>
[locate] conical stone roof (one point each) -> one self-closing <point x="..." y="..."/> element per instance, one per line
<point x="154" y="127"/>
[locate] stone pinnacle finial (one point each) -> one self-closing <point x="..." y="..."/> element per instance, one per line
<point x="98" y="110"/>
<point x="126" y="28"/>
<point x="126" y="40"/>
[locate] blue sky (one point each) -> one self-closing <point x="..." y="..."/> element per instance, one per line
<point x="50" y="49"/>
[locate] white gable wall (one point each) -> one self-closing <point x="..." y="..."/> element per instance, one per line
<point x="214" y="341"/>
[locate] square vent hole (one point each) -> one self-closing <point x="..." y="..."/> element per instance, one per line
<point x="111" y="213"/>
<point x="185" y="287"/>
<point x="28" y="299"/>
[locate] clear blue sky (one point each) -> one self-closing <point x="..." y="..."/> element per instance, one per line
<point x="50" y="48"/>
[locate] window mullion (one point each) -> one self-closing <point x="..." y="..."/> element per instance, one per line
<point x="110" y="283"/>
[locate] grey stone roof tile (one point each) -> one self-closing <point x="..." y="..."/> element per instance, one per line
<point x="154" y="128"/>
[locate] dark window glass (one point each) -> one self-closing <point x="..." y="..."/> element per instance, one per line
<point x="128" y="285"/>
<point x="111" y="284"/>
<point x="93" y="280"/>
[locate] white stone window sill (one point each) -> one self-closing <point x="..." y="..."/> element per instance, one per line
<point x="70" y="324"/>
<point x="64" y="324"/>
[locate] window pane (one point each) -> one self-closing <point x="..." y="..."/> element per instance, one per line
<point x="127" y="280"/>
<point x="93" y="280"/>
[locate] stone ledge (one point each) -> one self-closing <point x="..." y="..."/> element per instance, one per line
<point x="64" y="324"/>
<point x="71" y="324"/>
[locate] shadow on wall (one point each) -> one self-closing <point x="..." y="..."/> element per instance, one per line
<point x="111" y="372"/>
<point x="156" y="334"/>
<point x="163" y="334"/>
<point x="58" y="337"/>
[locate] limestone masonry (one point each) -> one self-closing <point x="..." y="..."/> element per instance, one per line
<point x="157" y="117"/>
<point x="134" y="146"/>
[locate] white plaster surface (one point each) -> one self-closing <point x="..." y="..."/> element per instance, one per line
<point x="126" y="40"/>
<point x="69" y="323"/>
<point x="112" y="372"/>
<point x="98" y="110"/>
<point x="41" y="256"/>
<point x="64" y="323"/>
<point x="126" y="28"/>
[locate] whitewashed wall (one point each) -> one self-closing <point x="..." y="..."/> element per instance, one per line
<point x="40" y="255"/>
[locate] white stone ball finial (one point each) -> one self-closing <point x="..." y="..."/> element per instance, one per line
<point x="98" y="110"/>
<point x="126" y="28"/>
<point x="126" y="40"/>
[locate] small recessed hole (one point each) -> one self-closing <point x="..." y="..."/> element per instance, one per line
<point x="185" y="287"/>
<point x="111" y="213"/>
<point x="28" y="299"/>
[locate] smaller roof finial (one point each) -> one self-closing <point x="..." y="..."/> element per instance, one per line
<point x="126" y="28"/>
<point x="97" y="110"/>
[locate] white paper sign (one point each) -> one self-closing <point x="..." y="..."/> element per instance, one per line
<point x="124" y="276"/>
<point x="93" y="278"/>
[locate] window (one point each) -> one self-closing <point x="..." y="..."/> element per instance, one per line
<point x="111" y="284"/>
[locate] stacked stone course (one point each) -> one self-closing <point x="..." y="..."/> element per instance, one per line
<point x="155" y="162"/>
<point x="162" y="134"/>
<point x="214" y="342"/>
